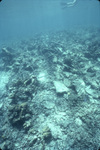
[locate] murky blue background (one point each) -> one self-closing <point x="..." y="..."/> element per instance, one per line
<point x="23" y="18"/>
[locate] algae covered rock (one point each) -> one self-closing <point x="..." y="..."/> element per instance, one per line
<point x="18" y="114"/>
<point x="46" y="134"/>
<point x="23" y="89"/>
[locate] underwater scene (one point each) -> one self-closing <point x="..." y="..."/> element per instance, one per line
<point x="50" y="75"/>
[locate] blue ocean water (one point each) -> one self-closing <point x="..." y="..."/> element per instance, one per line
<point x="24" y="18"/>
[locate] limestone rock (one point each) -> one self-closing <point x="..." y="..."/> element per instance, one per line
<point x="60" y="87"/>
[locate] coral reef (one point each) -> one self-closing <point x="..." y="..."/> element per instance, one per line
<point x="50" y="92"/>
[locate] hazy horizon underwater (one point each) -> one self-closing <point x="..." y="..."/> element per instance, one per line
<point x="50" y="75"/>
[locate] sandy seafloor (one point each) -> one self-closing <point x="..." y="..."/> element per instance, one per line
<point x="50" y="91"/>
